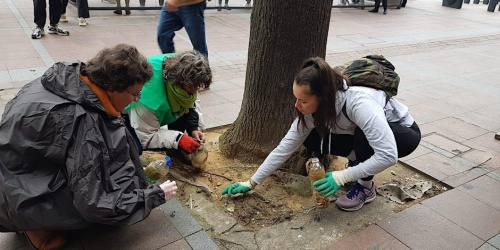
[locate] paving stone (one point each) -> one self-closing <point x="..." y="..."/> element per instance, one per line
<point x="373" y="237"/>
<point x="457" y="129"/>
<point x="418" y="227"/>
<point x="456" y="205"/>
<point x="446" y="144"/>
<point x="487" y="246"/>
<point x="495" y="241"/>
<point x="464" y="177"/>
<point x="201" y="241"/>
<point x="12" y="241"/>
<point x="178" y="245"/>
<point x="154" y="232"/>
<point x="180" y="218"/>
<point x="437" y="165"/>
<point x="485" y="189"/>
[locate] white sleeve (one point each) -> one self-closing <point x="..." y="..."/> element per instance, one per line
<point x="288" y="145"/>
<point x="197" y="108"/>
<point x="368" y="115"/>
<point x="147" y="127"/>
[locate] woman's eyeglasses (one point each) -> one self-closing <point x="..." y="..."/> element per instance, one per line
<point x="137" y="97"/>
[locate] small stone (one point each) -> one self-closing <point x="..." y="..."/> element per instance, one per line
<point x="230" y="209"/>
<point x="392" y="172"/>
<point x="218" y="183"/>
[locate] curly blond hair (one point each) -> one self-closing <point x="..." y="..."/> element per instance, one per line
<point x="189" y="68"/>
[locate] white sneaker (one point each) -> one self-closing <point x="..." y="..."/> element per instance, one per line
<point x="82" y="21"/>
<point x="63" y="18"/>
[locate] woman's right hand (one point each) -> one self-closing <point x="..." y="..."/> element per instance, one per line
<point x="238" y="187"/>
<point x="169" y="189"/>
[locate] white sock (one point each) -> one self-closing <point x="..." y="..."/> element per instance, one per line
<point x="366" y="184"/>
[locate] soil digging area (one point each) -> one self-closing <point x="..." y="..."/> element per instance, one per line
<point x="280" y="213"/>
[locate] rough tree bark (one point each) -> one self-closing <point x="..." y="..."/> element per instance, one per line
<point x="282" y="35"/>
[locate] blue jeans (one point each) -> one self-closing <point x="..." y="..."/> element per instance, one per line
<point x="192" y="18"/>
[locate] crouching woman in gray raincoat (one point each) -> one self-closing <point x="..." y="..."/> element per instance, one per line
<point x="66" y="157"/>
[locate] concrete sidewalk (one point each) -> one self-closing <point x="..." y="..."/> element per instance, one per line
<point x="448" y="62"/>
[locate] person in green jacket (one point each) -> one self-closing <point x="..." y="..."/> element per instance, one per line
<point x="168" y="105"/>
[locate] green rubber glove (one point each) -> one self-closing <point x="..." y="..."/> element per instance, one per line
<point x="326" y="186"/>
<point x="238" y="187"/>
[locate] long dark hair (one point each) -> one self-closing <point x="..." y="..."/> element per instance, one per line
<point x="117" y="68"/>
<point x="324" y="82"/>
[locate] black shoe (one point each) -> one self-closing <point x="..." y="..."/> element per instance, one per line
<point x="385" y="12"/>
<point x="373" y="11"/>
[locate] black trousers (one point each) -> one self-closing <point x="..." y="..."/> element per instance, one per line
<point x="407" y="140"/>
<point x="377" y="4"/>
<point x="55" y="10"/>
<point x="82" y="5"/>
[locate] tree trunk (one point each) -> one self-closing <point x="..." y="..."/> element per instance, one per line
<point x="282" y="35"/>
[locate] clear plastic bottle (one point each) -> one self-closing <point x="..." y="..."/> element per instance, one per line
<point x="316" y="171"/>
<point x="158" y="169"/>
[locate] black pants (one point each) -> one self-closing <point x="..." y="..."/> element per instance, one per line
<point x="55" y="10"/>
<point x="82" y="5"/>
<point x="377" y="4"/>
<point x="407" y="140"/>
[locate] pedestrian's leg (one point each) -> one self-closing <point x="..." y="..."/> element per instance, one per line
<point x="127" y="8"/>
<point x="40" y="12"/>
<point x="65" y="4"/>
<point x="193" y="18"/>
<point x="384" y="4"/>
<point x="55" y="10"/>
<point x="377" y="5"/>
<point x="118" y="9"/>
<point x="83" y="8"/>
<point x="168" y="23"/>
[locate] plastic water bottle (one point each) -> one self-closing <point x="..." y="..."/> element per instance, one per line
<point x="158" y="169"/>
<point x="316" y="171"/>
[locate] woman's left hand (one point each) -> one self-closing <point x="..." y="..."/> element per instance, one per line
<point x="198" y="135"/>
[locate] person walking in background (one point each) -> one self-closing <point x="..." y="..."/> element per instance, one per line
<point x="55" y="10"/>
<point x="83" y="11"/>
<point x="359" y="123"/>
<point x="118" y="9"/>
<point x="68" y="159"/>
<point x="176" y="14"/>
<point x="377" y="5"/>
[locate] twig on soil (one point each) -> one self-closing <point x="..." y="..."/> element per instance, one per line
<point x="309" y="210"/>
<point x="202" y="186"/>
<point x="224" y="242"/>
<point x="190" y="201"/>
<point x="255" y="193"/>
<point x="205" y="172"/>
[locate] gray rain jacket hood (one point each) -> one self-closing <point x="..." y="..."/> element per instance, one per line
<point x="65" y="163"/>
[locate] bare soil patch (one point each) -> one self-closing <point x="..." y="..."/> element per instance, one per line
<point x="283" y="204"/>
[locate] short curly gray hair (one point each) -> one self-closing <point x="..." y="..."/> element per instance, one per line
<point x="189" y="68"/>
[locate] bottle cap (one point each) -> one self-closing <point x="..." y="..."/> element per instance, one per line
<point x="168" y="160"/>
<point x="315" y="159"/>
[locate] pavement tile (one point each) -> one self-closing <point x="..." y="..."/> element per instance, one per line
<point x="178" y="245"/>
<point x="464" y="177"/>
<point x="437" y="165"/>
<point x="485" y="142"/>
<point x="495" y="241"/>
<point x="180" y="218"/>
<point x="446" y="144"/>
<point x="419" y="151"/>
<point x="456" y="205"/>
<point x="418" y="227"/>
<point x="13" y="241"/>
<point x="485" y="189"/>
<point x="374" y="237"/>
<point x="459" y="130"/>
<point x="201" y="241"/>
<point x="154" y="232"/>
<point x="488" y="158"/>
<point x="487" y="246"/>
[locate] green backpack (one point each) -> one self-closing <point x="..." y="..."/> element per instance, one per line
<point x="372" y="71"/>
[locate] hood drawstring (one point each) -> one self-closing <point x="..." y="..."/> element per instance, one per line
<point x="329" y="144"/>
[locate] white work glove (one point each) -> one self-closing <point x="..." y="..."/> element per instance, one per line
<point x="169" y="188"/>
